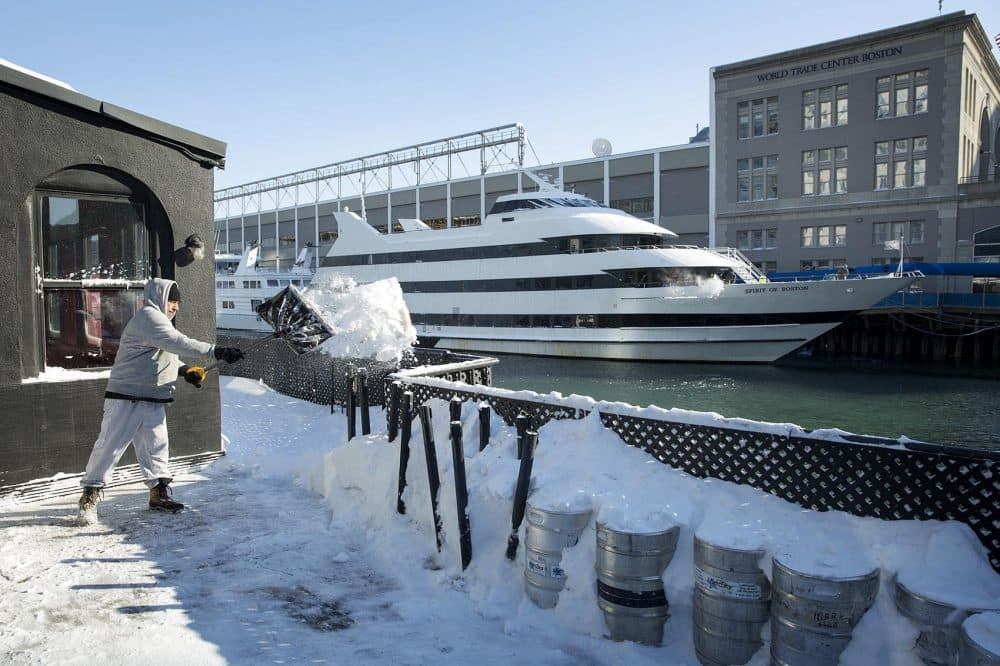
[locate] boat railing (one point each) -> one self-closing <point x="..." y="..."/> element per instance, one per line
<point x="616" y="248"/>
<point x="743" y="266"/>
<point x="850" y="276"/>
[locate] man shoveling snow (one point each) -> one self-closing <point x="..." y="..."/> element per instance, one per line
<point x="142" y="382"/>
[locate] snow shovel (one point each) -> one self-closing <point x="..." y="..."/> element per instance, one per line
<point x="293" y="320"/>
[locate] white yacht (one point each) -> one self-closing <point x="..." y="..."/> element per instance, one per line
<point x="240" y="286"/>
<point x="554" y="273"/>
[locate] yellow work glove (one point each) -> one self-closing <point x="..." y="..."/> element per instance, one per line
<point x="195" y="375"/>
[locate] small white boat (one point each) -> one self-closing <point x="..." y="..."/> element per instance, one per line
<point x="240" y="286"/>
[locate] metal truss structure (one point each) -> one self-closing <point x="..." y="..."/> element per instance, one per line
<point x="499" y="149"/>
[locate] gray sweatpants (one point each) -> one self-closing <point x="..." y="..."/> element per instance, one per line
<point x="125" y="422"/>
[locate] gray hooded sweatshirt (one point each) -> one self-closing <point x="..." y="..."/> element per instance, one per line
<point x="146" y="365"/>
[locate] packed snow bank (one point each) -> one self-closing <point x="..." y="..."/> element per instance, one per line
<point x="580" y="463"/>
<point x="67" y="375"/>
<point x="368" y="321"/>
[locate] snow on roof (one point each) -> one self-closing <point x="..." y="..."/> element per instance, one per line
<point x="31" y="72"/>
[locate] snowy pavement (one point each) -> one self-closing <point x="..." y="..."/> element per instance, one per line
<point x="253" y="571"/>
<point x="256" y="570"/>
<point x="290" y="551"/>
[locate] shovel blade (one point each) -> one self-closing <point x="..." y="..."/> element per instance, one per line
<point x="294" y="320"/>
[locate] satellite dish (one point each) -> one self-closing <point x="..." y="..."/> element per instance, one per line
<point x="601" y="147"/>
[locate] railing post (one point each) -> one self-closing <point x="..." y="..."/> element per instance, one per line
<point x="334" y="376"/>
<point x="521" y="493"/>
<point x="461" y="492"/>
<point x="433" y="480"/>
<point x="352" y="426"/>
<point x="366" y="425"/>
<point x="521" y="424"/>
<point x="392" y="418"/>
<point x="455" y="409"/>
<point x="404" y="448"/>
<point x="484" y="426"/>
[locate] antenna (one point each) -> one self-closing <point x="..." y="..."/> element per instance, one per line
<point x="601" y="147"/>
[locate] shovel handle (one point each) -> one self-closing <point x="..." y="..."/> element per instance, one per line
<point x="258" y="343"/>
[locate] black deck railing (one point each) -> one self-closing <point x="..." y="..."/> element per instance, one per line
<point x="864" y="476"/>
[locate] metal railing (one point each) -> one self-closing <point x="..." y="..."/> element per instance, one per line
<point x="862" y="475"/>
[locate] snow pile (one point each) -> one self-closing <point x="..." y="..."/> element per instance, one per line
<point x="580" y="463"/>
<point x="368" y="321"/>
<point x="53" y="374"/>
<point x="984" y="630"/>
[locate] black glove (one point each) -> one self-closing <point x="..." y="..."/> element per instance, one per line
<point x="193" y="375"/>
<point x="228" y="354"/>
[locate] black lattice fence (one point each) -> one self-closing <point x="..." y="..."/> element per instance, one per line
<point x="317" y="377"/>
<point x="865" y="476"/>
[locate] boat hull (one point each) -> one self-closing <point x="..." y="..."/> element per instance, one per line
<point x="730" y="344"/>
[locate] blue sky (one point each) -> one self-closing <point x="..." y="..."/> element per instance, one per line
<point x="294" y="85"/>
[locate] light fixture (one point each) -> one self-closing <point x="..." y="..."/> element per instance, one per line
<point x="193" y="250"/>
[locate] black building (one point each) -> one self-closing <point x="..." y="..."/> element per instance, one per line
<point x="94" y="199"/>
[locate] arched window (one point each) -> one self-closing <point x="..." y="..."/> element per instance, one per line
<point x="996" y="155"/>
<point x="986" y="245"/>
<point x="97" y="245"/>
<point x="985" y="155"/>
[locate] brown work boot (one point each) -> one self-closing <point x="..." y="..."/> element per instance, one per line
<point x="87" y="515"/>
<point x="160" y="497"/>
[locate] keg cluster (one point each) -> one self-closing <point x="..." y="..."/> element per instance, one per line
<point x="812" y="614"/>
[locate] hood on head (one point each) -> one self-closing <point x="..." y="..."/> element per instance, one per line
<point x="155" y="293"/>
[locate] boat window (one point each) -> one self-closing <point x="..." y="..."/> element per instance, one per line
<point x="272" y="283"/>
<point x="673" y="276"/>
<point x="593" y="242"/>
<point x="284" y="283"/>
<point x="547" y="202"/>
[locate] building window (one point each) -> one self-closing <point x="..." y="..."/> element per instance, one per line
<point x="986" y="245"/>
<point x="911" y="231"/>
<point x="831" y="235"/>
<point x="640" y="206"/>
<point x="824" y="107"/>
<point x="901" y="163"/>
<point x="893" y="261"/>
<point x="287" y="241"/>
<point x="766" y="266"/>
<point x="757" y="117"/>
<point x="757" y="239"/>
<point x="901" y="94"/>
<point x="95" y="261"/>
<point x="824" y="171"/>
<point x="757" y="178"/>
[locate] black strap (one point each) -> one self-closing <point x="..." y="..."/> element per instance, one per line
<point x="111" y="395"/>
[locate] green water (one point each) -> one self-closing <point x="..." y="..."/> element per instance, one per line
<point x="919" y="403"/>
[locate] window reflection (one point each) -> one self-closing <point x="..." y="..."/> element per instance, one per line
<point x="95" y="258"/>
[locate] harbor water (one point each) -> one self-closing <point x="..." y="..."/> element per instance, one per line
<point x="918" y="402"/>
